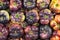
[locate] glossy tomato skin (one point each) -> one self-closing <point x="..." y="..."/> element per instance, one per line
<point x="15" y="5"/>
<point x="57" y="18"/>
<point x="15" y="30"/>
<point x="55" y="6"/>
<point x="55" y="24"/>
<point x="55" y="38"/>
<point x="29" y="4"/>
<point x="17" y="17"/>
<point x="3" y="4"/>
<point x="31" y="33"/>
<point x="3" y="32"/>
<point x="45" y="32"/>
<point x="32" y="16"/>
<point x="4" y="16"/>
<point x="42" y="4"/>
<point x="56" y="35"/>
<point x="45" y="16"/>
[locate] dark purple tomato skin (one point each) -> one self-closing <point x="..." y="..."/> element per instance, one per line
<point x="32" y="16"/>
<point x="26" y="4"/>
<point x="45" y="32"/>
<point x="15" y="31"/>
<point x="4" y="4"/>
<point x="31" y="33"/>
<point x="45" y="16"/>
<point x="4" y="16"/>
<point x="30" y="21"/>
<point x="3" y="32"/>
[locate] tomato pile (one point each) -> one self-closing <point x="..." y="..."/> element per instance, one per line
<point x="29" y="19"/>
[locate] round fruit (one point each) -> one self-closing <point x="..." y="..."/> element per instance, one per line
<point x="31" y="32"/>
<point x="32" y="16"/>
<point x="15" y="4"/>
<point x="4" y="16"/>
<point x="55" y="38"/>
<point x="29" y="3"/>
<point x="17" y="17"/>
<point x="41" y="4"/>
<point x="56" y="35"/>
<point x="15" y="30"/>
<point x="55" y="24"/>
<point x="57" y="18"/>
<point x="55" y="6"/>
<point x="3" y="4"/>
<point x="45" y="31"/>
<point x="58" y="32"/>
<point x="3" y="32"/>
<point x="45" y="16"/>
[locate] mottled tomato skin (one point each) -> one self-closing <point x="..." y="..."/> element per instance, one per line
<point x="55" y="38"/>
<point x="45" y="16"/>
<point x="4" y="16"/>
<point x="31" y="33"/>
<point x="17" y="17"/>
<point x="3" y="4"/>
<point x="15" y="30"/>
<point x="57" y="32"/>
<point x="55" y="24"/>
<point x="32" y="16"/>
<point x="56" y="35"/>
<point x="42" y="4"/>
<point x="55" y="6"/>
<point x="45" y="32"/>
<point x="3" y="32"/>
<point x="57" y="18"/>
<point x="26" y="4"/>
<point x="15" y="5"/>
